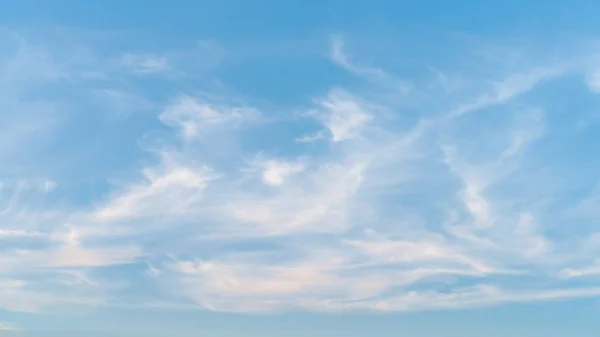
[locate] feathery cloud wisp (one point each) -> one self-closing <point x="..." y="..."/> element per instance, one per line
<point x="227" y="207"/>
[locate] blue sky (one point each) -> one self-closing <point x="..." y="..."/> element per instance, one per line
<point x="319" y="168"/>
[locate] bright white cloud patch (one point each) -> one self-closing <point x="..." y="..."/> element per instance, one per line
<point x="375" y="199"/>
<point x="276" y="172"/>
<point x="343" y="116"/>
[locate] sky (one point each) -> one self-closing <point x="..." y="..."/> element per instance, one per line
<point x="315" y="168"/>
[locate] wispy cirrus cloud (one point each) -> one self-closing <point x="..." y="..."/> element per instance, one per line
<point x="5" y="327"/>
<point x="374" y="75"/>
<point x="367" y="203"/>
<point x="503" y="90"/>
<point x="184" y="62"/>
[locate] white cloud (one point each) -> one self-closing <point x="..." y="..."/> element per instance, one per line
<point x="593" y="81"/>
<point x="319" y="201"/>
<point x="476" y="297"/>
<point x="162" y="192"/>
<point x="6" y="327"/>
<point x="402" y="209"/>
<point x="191" y="62"/>
<point x="195" y="119"/>
<point x="310" y="138"/>
<point x="373" y="74"/>
<point x="145" y="63"/>
<point x="342" y="59"/>
<point x="590" y="271"/>
<point x="471" y="193"/>
<point x="343" y="115"/>
<point x="17" y="295"/>
<point x="507" y="89"/>
<point x="153" y="271"/>
<point x="528" y="129"/>
<point x="18" y="233"/>
<point x="72" y="255"/>
<point x="275" y="172"/>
